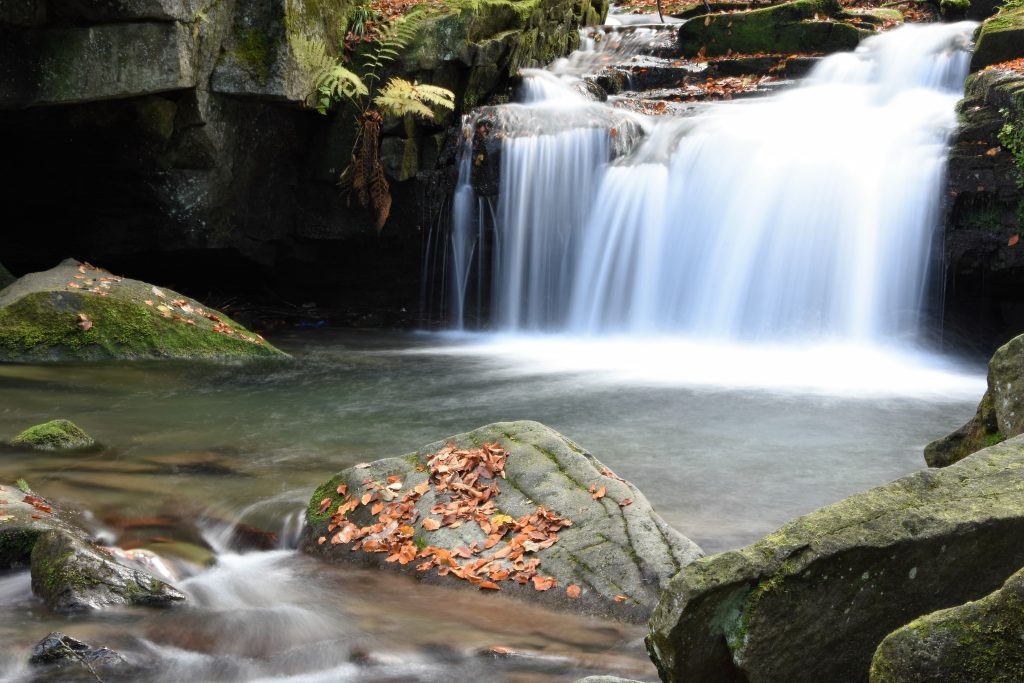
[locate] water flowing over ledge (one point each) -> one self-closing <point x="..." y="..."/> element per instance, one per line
<point x="805" y="215"/>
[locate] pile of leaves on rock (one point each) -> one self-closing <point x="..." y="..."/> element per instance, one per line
<point x="465" y="484"/>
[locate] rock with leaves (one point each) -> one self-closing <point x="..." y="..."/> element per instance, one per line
<point x="512" y="507"/>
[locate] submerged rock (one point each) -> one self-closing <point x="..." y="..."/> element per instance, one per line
<point x="977" y="641"/>
<point x="71" y="575"/>
<point x="812" y="601"/>
<point x="58" y="649"/>
<point x="515" y="505"/>
<point x="23" y="519"/>
<point x="55" y="435"/>
<point x="78" y="312"/>
<point x="1000" y="414"/>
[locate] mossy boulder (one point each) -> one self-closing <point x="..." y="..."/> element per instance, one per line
<point x="618" y="551"/>
<point x="55" y="435"/>
<point x="78" y="312"/>
<point x="1000" y="414"/>
<point x="23" y="519"/>
<point x="977" y="641"/>
<point x="799" y="26"/>
<point x="812" y="601"/>
<point x="71" y="575"/>
<point x="1000" y="38"/>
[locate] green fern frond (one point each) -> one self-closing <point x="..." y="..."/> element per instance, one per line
<point x="400" y="97"/>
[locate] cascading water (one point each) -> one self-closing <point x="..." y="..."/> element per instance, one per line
<point x="806" y="215"/>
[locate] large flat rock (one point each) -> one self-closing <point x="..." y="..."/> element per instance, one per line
<point x="812" y="601"/>
<point x="515" y="505"/>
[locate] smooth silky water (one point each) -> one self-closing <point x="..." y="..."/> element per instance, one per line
<point x="738" y="379"/>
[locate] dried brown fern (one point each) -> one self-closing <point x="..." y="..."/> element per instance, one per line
<point x="364" y="176"/>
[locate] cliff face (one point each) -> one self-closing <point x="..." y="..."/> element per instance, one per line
<point x="144" y="131"/>
<point x="985" y="199"/>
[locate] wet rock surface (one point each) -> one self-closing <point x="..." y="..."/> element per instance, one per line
<point x="61" y="657"/>
<point x="552" y="525"/>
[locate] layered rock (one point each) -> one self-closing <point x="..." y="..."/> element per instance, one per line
<point x="984" y="265"/>
<point x="1000" y="39"/>
<point x="184" y="127"/>
<point x="812" y="601"/>
<point x="78" y="312"/>
<point x="543" y="519"/>
<point x="977" y="641"/>
<point x="800" y="26"/>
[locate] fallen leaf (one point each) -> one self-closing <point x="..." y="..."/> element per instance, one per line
<point x="342" y="489"/>
<point x="625" y="502"/>
<point x="573" y="591"/>
<point x="490" y="585"/>
<point x="376" y="509"/>
<point x="431" y="524"/>
<point x="324" y="504"/>
<point x="1013" y="240"/>
<point x="84" y="323"/>
<point x="362" y="466"/>
<point x="543" y="583"/>
<point x="321" y="540"/>
<point x="159" y="293"/>
<point x="598" y="494"/>
<point x="620" y="598"/>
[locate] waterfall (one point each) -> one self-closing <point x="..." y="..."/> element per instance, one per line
<point x="808" y="214"/>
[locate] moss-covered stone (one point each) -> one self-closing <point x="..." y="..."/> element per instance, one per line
<point x="75" y="312"/>
<point x="812" y="601"/>
<point x="799" y="26"/>
<point x="72" y="576"/>
<point x="55" y="435"/>
<point x="614" y="547"/>
<point x="1000" y="414"/>
<point x="977" y="641"/>
<point x="1000" y="38"/>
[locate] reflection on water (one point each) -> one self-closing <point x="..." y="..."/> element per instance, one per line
<point x="188" y="449"/>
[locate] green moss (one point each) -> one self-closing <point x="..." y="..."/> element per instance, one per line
<point x="954" y="8"/>
<point x="54" y="435"/>
<point x="254" y="51"/>
<point x="328" y="489"/>
<point x="993" y="439"/>
<point x="44" y="326"/>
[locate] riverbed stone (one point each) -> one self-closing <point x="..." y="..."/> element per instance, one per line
<point x="55" y="435"/>
<point x="812" y="601"/>
<point x="1000" y="38"/>
<point x="76" y="311"/>
<point x="23" y="519"/>
<point x="72" y="575"/>
<point x="799" y="26"/>
<point x="1000" y="413"/>
<point x="59" y="649"/>
<point x="617" y="550"/>
<point x="976" y="641"/>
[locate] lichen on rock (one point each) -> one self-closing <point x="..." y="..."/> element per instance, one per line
<point x="536" y="517"/>
<point x="827" y="587"/>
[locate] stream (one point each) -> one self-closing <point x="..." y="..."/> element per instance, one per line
<point x="189" y="449"/>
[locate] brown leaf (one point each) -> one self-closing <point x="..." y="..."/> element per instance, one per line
<point x="342" y="489"/>
<point x="597" y="495"/>
<point x="625" y="502"/>
<point x="84" y="323"/>
<point x="377" y="508"/>
<point x="321" y="540"/>
<point x="1013" y="240"/>
<point x="543" y="583"/>
<point x="620" y="598"/>
<point x="573" y="591"/>
<point x="431" y="524"/>
<point x="324" y="504"/>
<point x="490" y="585"/>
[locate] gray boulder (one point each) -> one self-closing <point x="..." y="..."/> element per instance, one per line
<point x="1000" y="414"/>
<point x="23" y="519"/>
<point x="617" y="551"/>
<point x="55" y="435"/>
<point x="71" y="575"/>
<point x="977" y="641"/>
<point x="76" y="311"/>
<point x="812" y="601"/>
<point x="60" y="657"/>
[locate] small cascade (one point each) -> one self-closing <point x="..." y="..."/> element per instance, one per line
<point x="805" y="215"/>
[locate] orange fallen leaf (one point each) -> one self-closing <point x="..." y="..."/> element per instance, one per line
<point x="490" y="585"/>
<point x="431" y="524"/>
<point x="84" y="323"/>
<point x="367" y="497"/>
<point x="597" y="495"/>
<point x="321" y="540"/>
<point x="573" y="591"/>
<point x="625" y="502"/>
<point x="342" y="489"/>
<point x="1013" y="240"/>
<point x="324" y="504"/>
<point x="620" y="598"/>
<point x="543" y="583"/>
<point x="377" y="508"/>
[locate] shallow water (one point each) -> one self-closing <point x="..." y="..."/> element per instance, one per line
<point x="723" y="462"/>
